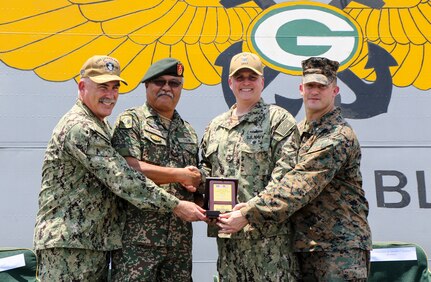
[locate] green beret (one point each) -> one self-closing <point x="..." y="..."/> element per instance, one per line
<point x="168" y="66"/>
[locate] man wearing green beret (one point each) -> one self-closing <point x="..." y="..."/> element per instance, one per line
<point x="156" y="141"/>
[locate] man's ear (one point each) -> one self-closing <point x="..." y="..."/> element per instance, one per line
<point x="301" y="89"/>
<point x="336" y="90"/>
<point x="81" y="85"/>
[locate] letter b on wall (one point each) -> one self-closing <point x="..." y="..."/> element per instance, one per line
<point x="381" y="188"/>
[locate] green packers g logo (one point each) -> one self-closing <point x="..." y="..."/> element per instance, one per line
<point x="287" y="33"/>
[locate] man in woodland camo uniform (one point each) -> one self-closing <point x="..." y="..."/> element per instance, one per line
<point x="257" y="144"/>
<point x="322" y="196"/>
<point x="158" y="143"/>
<point x="83" y="177"/>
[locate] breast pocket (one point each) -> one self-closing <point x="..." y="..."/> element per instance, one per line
<point x="255" y="160"/>
<point x="153" y="148"/>
<point x="211" y="156"/>
<point x="189" y="152"/>
<point x="255" y="169"/>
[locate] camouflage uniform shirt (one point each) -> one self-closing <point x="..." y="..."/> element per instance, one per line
<point x="324" y="189"/>
<point x="140" y="134"/>
<point x="257" y="149"/>
<point x="82" y="176"/>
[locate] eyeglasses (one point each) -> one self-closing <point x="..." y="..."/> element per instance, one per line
<point x="171" y="83"/>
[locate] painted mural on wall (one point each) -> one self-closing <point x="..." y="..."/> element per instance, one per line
<point x="380" y="44"/>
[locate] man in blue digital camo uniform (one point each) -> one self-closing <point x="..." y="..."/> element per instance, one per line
<point x="257" y="144"/>
<point x="322" y="195"/>
<point x="157" y="142"/>
<point x="83" y="177"/>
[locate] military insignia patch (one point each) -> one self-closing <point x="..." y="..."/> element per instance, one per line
<point x="153" y="130"/>
<point x="185" y="140"/>
<point x="180" y="69"/>
<point x="110" y="66"/>
<point x="284" y="127"/>
<point x="155" y="137"/>
<point x="126" y="122"/>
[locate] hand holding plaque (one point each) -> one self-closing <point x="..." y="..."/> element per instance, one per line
<point x="220" y="195"/>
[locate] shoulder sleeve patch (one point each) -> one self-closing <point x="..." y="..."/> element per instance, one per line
<point x="126" y="121"/>
<point x="284" y="127"/>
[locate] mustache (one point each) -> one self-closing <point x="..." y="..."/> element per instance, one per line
<point x="107" y="101"/>
<point x="161" y="93"/>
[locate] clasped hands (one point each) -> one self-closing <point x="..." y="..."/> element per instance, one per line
<point x="190" y="178"/>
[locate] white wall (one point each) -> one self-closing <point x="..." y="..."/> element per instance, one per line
<point x="397" y="141"/>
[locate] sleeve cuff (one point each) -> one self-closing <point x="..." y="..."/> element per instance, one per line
<point x="250" y="212"/>
<point x="172" y="202"/>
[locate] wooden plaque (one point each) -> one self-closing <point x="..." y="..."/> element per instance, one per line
<point x="220" y="195"/>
